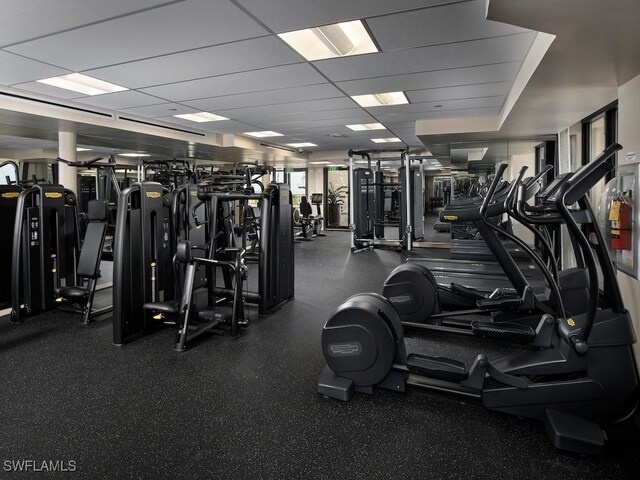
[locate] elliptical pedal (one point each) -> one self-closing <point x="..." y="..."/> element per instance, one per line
<point x="573" y="433"/>
<point x="437" y="367"/>
<point x="512" y="332"/>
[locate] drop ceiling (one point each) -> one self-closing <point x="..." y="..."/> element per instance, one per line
<point x="224" y="57"/>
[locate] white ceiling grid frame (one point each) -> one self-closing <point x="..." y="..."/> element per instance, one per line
<point x="346" y="60"/>
<point x="438" y="57"/>
<point x="247" y="61"/>
<point x="17" y="69"/>
<point x="429" y="27"/>
<point x="39" y="18"/>
<point x="461" y="76"/>
<point x="160" y="31"/>
<point x="207" y="62"/>
<point x="270" y="97"/>
<point x="287" y="15"/>
<point x="272" y="78"/>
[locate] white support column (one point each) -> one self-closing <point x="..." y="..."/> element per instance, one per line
<point x="67" y="176"/>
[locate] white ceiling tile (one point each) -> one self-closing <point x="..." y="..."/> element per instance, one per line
<point x="27" y="19"/>
<point x="160" y="31"/>
<point x="440" y="113"/>
<point x="266" y="79"/>
<point x="120" y="100"/>
<point x="331" y="115"/>
<point x="17" y="69"/>
<point x="432" y="26"/>
<point x="330" y="122"/>
<point x="465" y="91"/>
<point x="223" y="126"/>
<point x="44" y="89"/>
<point x="401" y="110"/>
<point x="159" y="110"/>
<point x="270" y="97"/>
<point x="501" y="72"/>
<point x="220" y="60"/>
<point x="440" y="57"/>
<point x="310" y="108"/>
<point x="286" y="15"/>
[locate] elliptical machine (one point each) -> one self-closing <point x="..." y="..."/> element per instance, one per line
<point x="513" y="317"/>
<point x="585" y="377"/>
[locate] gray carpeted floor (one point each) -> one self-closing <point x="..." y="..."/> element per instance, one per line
<point x="247" y="408"/>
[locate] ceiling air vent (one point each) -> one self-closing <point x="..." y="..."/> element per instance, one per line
<point x="278" y="147"/>
<point x="151" y="124"/>
<point x="55" y="104"/>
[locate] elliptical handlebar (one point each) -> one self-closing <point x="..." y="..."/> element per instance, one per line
<point x="492" y="189"/>
<point x="513" y="188"/>
<point x="579" y="340"/>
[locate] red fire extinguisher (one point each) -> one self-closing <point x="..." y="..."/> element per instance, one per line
<point x="620" y="216"/>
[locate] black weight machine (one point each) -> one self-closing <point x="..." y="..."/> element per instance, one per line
<point x="9" y="193"/>
<point x="45" y="248"/>
<point x="367" y="195"/>
<point x="144" y="291"/>
<point x="275" y="259"/>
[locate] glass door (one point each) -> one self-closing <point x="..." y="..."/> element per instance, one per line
<point x="336" y="184"/>
<point x="297" y="180"/>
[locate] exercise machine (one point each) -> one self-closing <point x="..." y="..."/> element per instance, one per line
<point x="318" y="219"/>
<point x="82" y="295"/>
<point x="276" y="257"/>
<point x="585" y="377"/>
<point x="46" y="242"/>
<point x="9" y="193"/>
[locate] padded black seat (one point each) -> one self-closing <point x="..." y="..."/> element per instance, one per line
<point x="163" y="307"/>
<point x="79" y="294"/>
<point x="89" y="260"/>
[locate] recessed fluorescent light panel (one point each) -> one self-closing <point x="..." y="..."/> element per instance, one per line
<point x="84" y="84"/>
<point x="319" y="163"/>
<point x="134" y="155"/>
<point x="331" y="41"/>
<point x="386" y="140"/>
<point x="302" y="145"/>
<point x="366" y="126"/>
<point x="201" y="117"/>
<point x="266" y="133"/>
<point x="381" y="99"/>
<point x="80" y="149"/>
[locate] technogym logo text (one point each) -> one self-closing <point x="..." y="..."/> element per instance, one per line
<point x="30" y="465"/>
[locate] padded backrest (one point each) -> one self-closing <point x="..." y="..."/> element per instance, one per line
<point x="89" y="261"/>
<point x="98" y="211"/>
<point x="305" y="207"/>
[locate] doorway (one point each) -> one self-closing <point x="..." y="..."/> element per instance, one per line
<point x="336" y="200"/>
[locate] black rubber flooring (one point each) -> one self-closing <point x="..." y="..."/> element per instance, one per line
<point x="247" y="408"/>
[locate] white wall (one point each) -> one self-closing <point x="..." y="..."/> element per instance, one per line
<point x="629" y="138"/>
